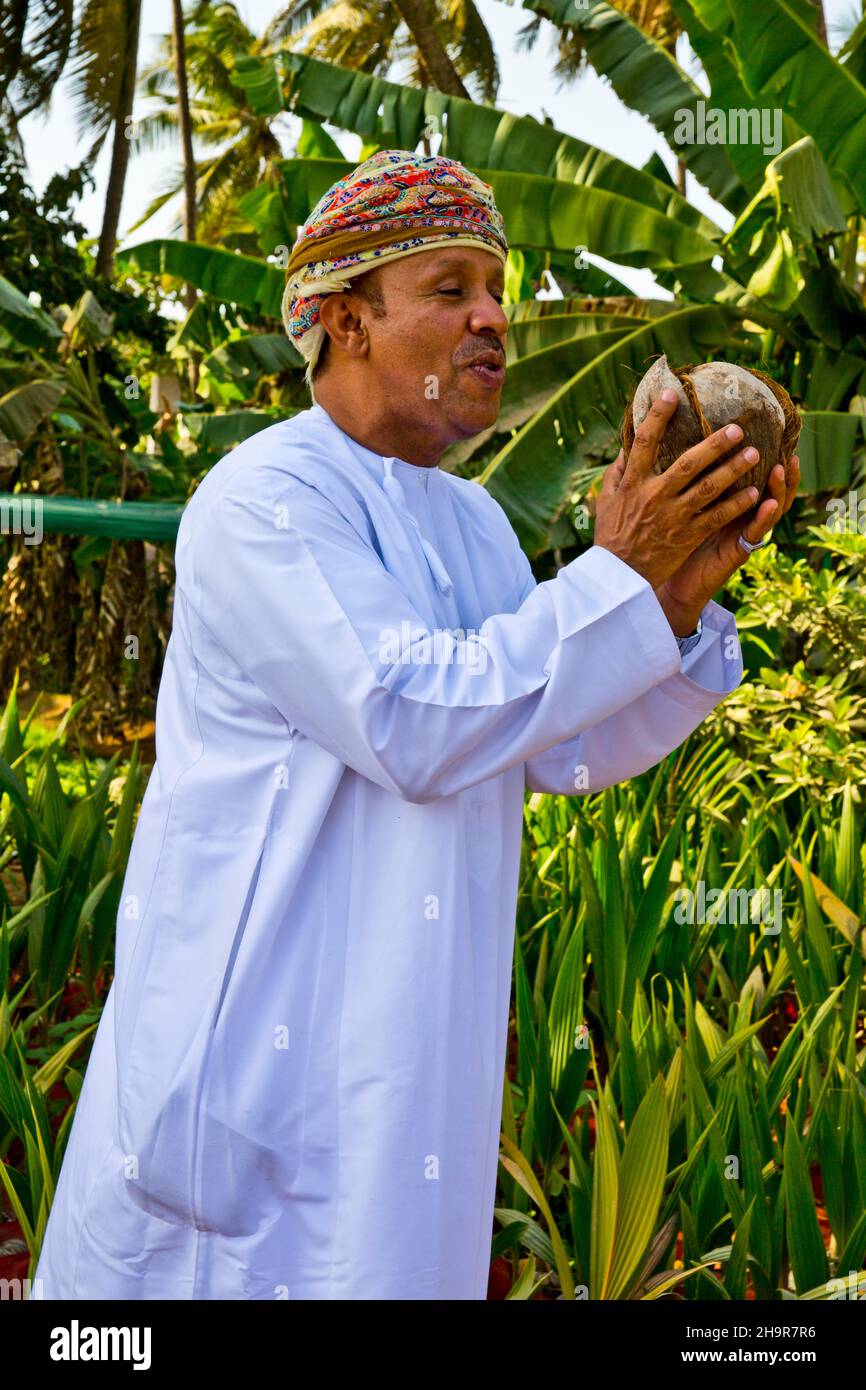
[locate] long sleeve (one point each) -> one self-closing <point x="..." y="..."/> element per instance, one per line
<point x="644" y="731"/>
<point x="303" y="606"/>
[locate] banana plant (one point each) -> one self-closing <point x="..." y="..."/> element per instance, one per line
<point x="776" y="292"/>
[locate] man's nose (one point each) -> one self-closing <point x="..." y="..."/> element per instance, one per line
<point x="488" y="316"/>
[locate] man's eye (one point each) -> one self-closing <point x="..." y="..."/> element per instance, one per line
<point x="455" y="289"/>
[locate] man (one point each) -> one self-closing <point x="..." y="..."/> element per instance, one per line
<point x="295" y="1088"/>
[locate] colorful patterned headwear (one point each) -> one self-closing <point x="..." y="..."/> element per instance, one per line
<point x="394" y="204"/>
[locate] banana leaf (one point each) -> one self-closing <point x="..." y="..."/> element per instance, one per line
<point x="264" y="354"/>
<point x="226" y="275"/>
<point x="530" y="381"/>
<point x="23" y="409"/>
<point x="852" y="54"/>
<point x="260" y="83"/>
<point x="530" y="477"/>
<point x="224" y="429"/>
<point x="797" y="194"/>
<point x="24" y="323"/>
<point x="783" y="62"/>
<point x="530" y="336"/>
<point x="826" y="449"/>
<point x="628" y="306"/>
<point x="727" y="93"/>
<point x="545" y="214"/>
<point x="479" y="136"/>
<point x="648" y="79"/>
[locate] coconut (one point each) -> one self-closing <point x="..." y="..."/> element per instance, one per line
<point x="709" y="397"/>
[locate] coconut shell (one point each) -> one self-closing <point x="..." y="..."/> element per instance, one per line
<point x="727" y="395"/>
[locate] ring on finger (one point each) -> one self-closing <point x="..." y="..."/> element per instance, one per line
<point x="749" y="546"/>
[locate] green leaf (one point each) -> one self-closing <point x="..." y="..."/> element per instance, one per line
<point x="23" y="409"/>
<point x="648" y="79"/>
<point x="251" y="356"/>
<point x="314" y="142"/>
<point x="783" y="62"/>
<point x="641" y="1184"/>
<point x="24" y="323"/>
<point x="257" y="77"/>
<point x="805" y="1242"/>
<point x="648" y="919"/>
<point x="481" y="137"/>
<point x="226" y="275"/>
<point x="605" y="1201"/>
<point x="530" y="381"/>
<point x="529" y="336"/>
<point x="88" y="322"/>
<point x="826" y="449"/>
<point x="545" y="214"/>
<point x="531" y="476"/>
<point x="224" y="429"/>
<point x="727" y="93"/>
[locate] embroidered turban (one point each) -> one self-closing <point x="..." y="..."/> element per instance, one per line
<point x="394" y="204"/>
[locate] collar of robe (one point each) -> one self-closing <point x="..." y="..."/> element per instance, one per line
<point x="394" y="489"/>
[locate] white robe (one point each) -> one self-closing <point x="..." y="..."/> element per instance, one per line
<point x="295" y="1087"/>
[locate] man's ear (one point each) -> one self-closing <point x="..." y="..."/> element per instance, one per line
<point x="340" y="319"/>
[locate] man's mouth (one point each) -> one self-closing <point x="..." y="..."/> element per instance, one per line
<point x="488" y="367"/>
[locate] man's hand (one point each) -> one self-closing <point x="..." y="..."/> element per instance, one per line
<point x="685" y="593"/>
<point x="657" y="522"/>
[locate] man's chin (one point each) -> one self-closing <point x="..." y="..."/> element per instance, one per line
<point x="473" y="412"/>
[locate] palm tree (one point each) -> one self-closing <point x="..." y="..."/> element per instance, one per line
<point x="439" y="43"/>
<point x="185" y="125"/>
<point x="245" y="148"/>
<point x="35" y="43"/>
<point x="103" y="77"/>
<point x="38" y="40"/>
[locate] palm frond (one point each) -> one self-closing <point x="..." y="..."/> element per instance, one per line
<point x="35" y="41"/>
<point x="105" y="31"/>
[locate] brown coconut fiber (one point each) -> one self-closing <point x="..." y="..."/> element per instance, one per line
<point x="710" y="396"/>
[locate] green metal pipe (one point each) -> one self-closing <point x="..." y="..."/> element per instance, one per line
<point x="83" y="516"/>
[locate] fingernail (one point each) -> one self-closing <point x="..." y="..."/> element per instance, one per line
<point x="734" y="432"/>
<point x="669" y="395"/>
<point x="751" y="455"/>
<point x="774" y="506"/>
<point x="753" y="493"/>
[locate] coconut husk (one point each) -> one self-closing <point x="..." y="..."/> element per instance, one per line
<point x="710" y="396"/>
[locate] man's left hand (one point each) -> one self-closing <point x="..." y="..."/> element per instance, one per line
<point x="685" y="594"/>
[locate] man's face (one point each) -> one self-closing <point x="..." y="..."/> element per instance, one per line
<point x="438" y="352"/>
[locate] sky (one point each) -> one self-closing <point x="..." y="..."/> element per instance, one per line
<point x="587" y="108"/>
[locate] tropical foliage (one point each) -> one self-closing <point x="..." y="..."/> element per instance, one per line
<point x="684" y="1106"/>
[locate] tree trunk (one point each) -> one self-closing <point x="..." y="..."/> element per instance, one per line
<point x="120" y="147"/>
<point x="822" y="22"/>
<point x="443" y="74"/>
<point x="185" y="122"/>
<point x="681" y="177"/>
<point x="189" y="209"/>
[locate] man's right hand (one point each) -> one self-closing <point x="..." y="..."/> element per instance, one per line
<point x="655" y="521"/>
